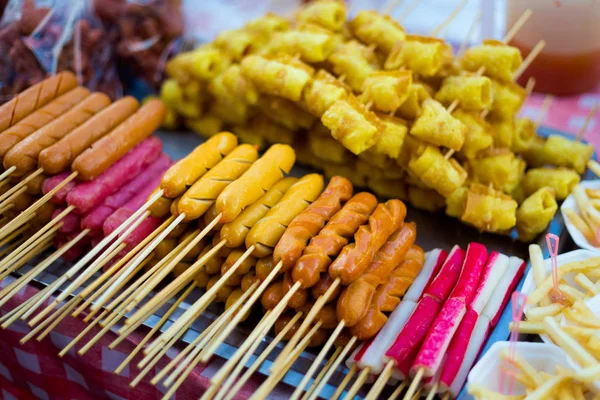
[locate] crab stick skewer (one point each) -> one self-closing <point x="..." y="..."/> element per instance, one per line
<point x="431" y="352"/>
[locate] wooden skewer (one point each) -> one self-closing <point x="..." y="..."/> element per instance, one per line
<point x="228" y="391"/>
<point x="13" y="235"/>
<point x="381" y="381"/>
<point x="47" y="292"/>
<point x="99" y="335"/>
<point x="417" y="395"/>
<point x="200" y="304"/>
<point x="321" y="382"/>
<point x="110" y="294"/>
<point x="92" y="324"/>
<point x="16" y="310"/>
<point x="102" y="258"/>
<point x="586" y="123"/>
<point x="71" y="305"/>
<point x="360" y="381"/>
<point x="446" y="396"/>
<point x="317" y="362"/>
<point x="528" y="60"/>
<point x="210" y="350"/>
<point x="48" y="321"/>
<point x="338" y="392"/>
<point x="432" y="392"/>
<point x="537" y="49"/>
<point x="5" y="210"/>
<point x="194" y="356"/>
<point x="465" y="43"/>
<point x="529" y="86"/>
<point x="161" y="353"/>
<point x="7" y="204"/>
<point x="34" y="237"/>
<point x="177" y="360"/>
<point x="322" y="372"/>
<point x="7" y="173"/>
<point x="310" y="317"/>
<point x="544" y="110"/>
<point x="18" y="221"/>
<point x="20" y="185"/>
<point x="272" y="380"/>
<point x="163" y="272"/>
<point x="398" y="390"/>
<point x="447" y="21"/>
<point x="39" y="246"/>
<point x="12" y="246"/>
<point x="414" y="384"/>
<point x="409" y="9"/>
<point x="160" y="323"/>
<point x="390" y="6"/>
<point x="167" y="291"/>
<point x="142" y="255"/>
<point x="117" y="266"/>
<point x="517" y="25"/>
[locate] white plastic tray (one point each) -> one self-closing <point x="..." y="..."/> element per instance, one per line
<point x="542" y="356"/>
<point x="570" y="202"/>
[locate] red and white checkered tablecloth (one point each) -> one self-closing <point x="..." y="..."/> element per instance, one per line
<point x="35" y="371"/>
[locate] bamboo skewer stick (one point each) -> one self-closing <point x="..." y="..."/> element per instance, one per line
<point x="317" y="362"/>
<point x="322" y="373"/>
<point x="160" y="323"/>
<point x="43" y="245"/>
<point x="320" y="383"/>
<point x="340" y="389"/>
<point x="18" y="221"/>
<point x="203" y="302"/>
<point x="7" y="173"/>
<point x="543" y="110"/>
<point x="440" y="28"/>
<point x="52" y="224"/>
<point x="194" y="240"/>
<point x="272" y="380"/>
<point x="12" y="246"/>
<point x="13" y="235"/>
<point x="537" y="49"/>
<point x="194" y="357"/>
<point x="409" y="9"/>
<point x="312" y="314"/>
<point x="167" y="291"/>
<point x="71" y="305"/>
<point x="160" y="354"/>
<point x="11" y="314"/>
<point x="446" y="396"/>
<point x="360" y="381"/>
<point x="390" y="6"/>
<point x="84" y="332"/>
<point x="209" y="351"/>
<point x="4" y="210"/>
<point x="110" y="293"/>
<point x="380" y="382"/>
<point x="176" y="361"/>
<point x="7" y="203"/>
<point x="586" y="123"/>
<point x="529" y="86"/>
<point x="20" y="186"/>
<point x="99" y="335"/>
<point x="117" y="266"/>
<point x="113" y="249"/>
<point x="398" y="390"/>
<point x="414" y="384"/>
<point x="431" y="394"/>
<point x="48" y="321"/>
<point x="261" y="358"/>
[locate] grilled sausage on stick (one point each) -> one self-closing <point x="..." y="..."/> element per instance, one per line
<point x="308" y="223"/>
<point x="24" y="155"/>
<point x="191" y="168"/>
<point x="35" y="97"/>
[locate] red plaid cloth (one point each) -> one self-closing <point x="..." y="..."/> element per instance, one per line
<point x="35" y="371"/>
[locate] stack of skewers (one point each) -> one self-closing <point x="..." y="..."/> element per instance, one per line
<point x="397" y="113"/>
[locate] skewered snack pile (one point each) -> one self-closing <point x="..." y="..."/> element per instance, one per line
<point x="396" y="113"/>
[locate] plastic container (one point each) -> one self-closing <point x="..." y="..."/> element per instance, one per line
<point x="570" y="61"/>
<point x="570" y="202"/>
<point x="542" y="356"/>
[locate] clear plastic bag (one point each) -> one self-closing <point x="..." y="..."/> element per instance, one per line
<point x="147" y="34"/>
<point x="41" y="37"/>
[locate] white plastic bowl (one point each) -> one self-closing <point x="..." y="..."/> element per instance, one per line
<point x="570" y="202"/>
<point x="542" y="356"/>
